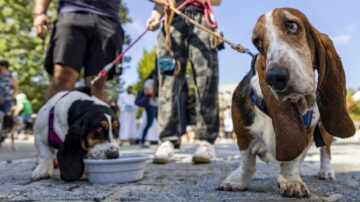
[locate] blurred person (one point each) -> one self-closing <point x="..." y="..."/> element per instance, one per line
<point x="23" y="109"/>
<point x="188" y="43"/>
<point x="354" y="101"/>
<point x="152" y="137"/>
<point x="151" y="109"/>
<point x="8" y="87"/>
<point x="87" y="34"/>
<point x="126" y="104"/>
<point x="228" y="123"/>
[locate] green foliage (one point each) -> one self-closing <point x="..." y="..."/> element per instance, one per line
<point x="20" y="46"/>
<point x="355" y="113"/>
<point x="145" y="66"/>
<point x="25" y="52"/>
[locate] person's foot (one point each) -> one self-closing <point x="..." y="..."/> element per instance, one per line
<point x="164" y="153"/>
<point x="145" y="145"/>
<point x="205" y="153"/>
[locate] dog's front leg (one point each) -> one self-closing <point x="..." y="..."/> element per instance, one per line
<point x="45" y="167"/>
<point x="240" y="178"/>
<point x="326" y="170"/>
<point x="289" y="180"/>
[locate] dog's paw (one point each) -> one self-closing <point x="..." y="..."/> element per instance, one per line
<point x="234" y="182"/>
<point x="328" y="174"/>
<point x="42" y="172"/>
<point x="232" y="186"/>
<point x="293" y="188"/>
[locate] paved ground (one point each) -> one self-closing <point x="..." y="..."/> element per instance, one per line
<point x="180" y="180"/>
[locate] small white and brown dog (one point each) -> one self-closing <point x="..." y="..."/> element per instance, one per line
<point x="279" y="104"/>
<point x="74" y="125"/>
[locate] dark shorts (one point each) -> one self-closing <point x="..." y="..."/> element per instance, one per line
<point x="84" y="40"/>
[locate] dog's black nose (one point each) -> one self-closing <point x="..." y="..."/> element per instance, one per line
<point x="112" y="154"/>
<point x="277" y="78"/>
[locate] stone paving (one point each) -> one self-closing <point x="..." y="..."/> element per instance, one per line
<point x="181" y="180"/>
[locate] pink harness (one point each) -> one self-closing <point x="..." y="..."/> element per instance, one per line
<point x="53" y="138"/>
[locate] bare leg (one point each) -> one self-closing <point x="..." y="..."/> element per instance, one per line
<point x="98" y="88"/>
<point x="64" y="78"/>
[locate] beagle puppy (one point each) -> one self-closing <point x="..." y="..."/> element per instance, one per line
<point x="74" y="125"/>
<point x="270" y="103"/>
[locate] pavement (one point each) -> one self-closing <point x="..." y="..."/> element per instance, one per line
<point x="181" y="180"/>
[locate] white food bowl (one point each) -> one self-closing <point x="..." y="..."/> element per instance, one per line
<point x="124" y="169"/>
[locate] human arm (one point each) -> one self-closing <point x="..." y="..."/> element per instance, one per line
<point x="40" y="17"/>
<point x="15" y="85"/>
<point x="18" y="109"/>
<point x="216" y="2"/>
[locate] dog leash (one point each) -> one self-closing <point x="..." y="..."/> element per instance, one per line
<point x="238" y="47"/>
<point x="109" y="66"/>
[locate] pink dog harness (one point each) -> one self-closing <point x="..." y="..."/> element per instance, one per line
<point x="53" y="138"/>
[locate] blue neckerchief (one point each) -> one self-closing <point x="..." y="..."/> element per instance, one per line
<point x="260" y="103"/>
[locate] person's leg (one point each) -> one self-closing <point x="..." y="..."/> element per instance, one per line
<point x="170" y="85"/>
<point x="65" y="56"/>
<point x="150" y="116"/>
<point x="169" y="91"/>
<point x="64" y="78"/>
<point x="97" y="88"/>
<point x="205" y="65"/>
<point x="105" y="44"/>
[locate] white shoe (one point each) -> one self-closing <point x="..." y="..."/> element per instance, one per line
<point x="164" y="153"/>
<point x="205" y="153"/>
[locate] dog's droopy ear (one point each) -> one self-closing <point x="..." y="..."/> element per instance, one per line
<point x="331" y="91"/>
<point x="71" y="155"/>
<point x="290" y="133"/>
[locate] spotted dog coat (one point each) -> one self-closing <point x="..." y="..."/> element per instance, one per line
<point x="289" y="50"/>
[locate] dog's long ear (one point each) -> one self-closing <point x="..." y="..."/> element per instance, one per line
<point x="286" y="118"/>
<point x="70" y="155"/>
<point x="331" y="90"/>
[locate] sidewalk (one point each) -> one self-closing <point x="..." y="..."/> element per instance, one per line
<point x="181" y="180"/>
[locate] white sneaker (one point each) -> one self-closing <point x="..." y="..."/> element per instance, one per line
<point x="205" y="153"/>
<point x="164" y="153"/>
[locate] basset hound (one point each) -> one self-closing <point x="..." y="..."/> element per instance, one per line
<point x="74" y="125"/>
<point x="271" y="103"/>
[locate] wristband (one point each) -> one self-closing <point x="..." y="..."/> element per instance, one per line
<point x="39" y="14"/>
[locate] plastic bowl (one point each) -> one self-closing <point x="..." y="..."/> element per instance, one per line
<point x="125" y="169"/>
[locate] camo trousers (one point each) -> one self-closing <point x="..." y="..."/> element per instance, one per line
<point x="189" y="43"/>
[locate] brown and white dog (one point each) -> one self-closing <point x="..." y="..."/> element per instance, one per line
<point x="74" y="125"/>
<point x="290" y="51"/>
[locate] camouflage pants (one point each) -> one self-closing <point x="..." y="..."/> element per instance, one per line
<point x="189" y="43"/>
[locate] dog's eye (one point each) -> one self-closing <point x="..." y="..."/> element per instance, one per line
<point x="105" y="124"/>
<point x="292" y="27"/>
<point x="258" y="44"/>
<point x="115" y="124"/>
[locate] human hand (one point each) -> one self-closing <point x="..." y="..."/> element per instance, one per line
<point x="154" y="21"/>
<point x="40" y="22"/>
